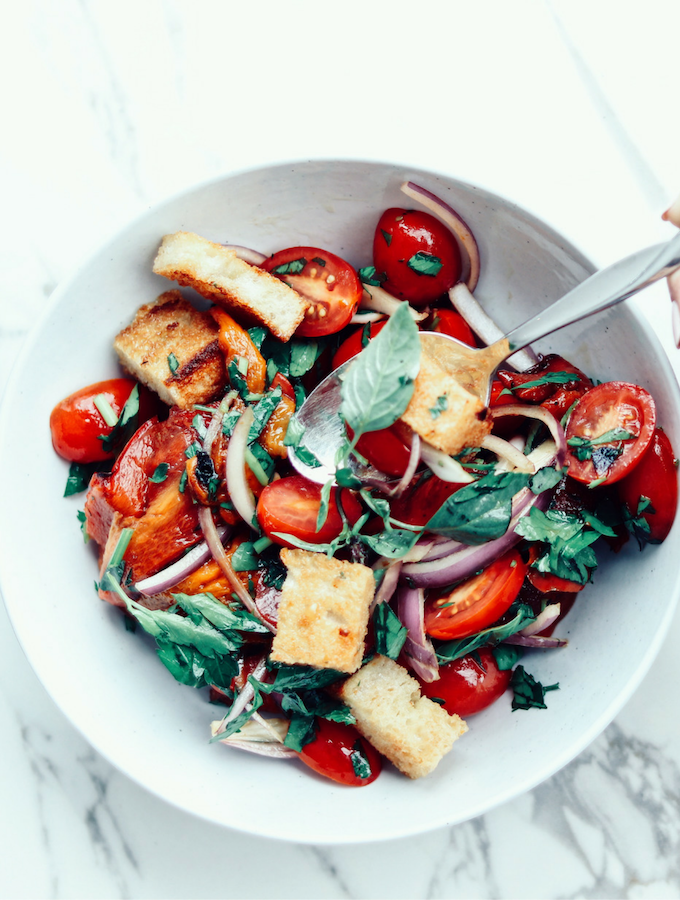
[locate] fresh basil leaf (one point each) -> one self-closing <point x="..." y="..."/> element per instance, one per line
<point x="387" y="236"/>
<point x="319" y="261"/>
<point x="360" y="763"/>
<point x="392" y="543"/>
<point x="507" y="656"/>
<point x="244" y="558"/>
<point x="160" y="473"/>
<point x="294" y="267"/>
<point x="294" y="432"/>
<point x="368" y="275"/>
<point x="303" y="356"/>
<point x="257" y="335"/>
<point x="262" y="413"/>
<point x="324" y="504"/>
<point x="302" y="678"/>
<point x="273" y="571"/>
<point x="480" y="511"/>
<point x="440" y="406"/>
<point x="346" y="478"/>
<point x="173" y="363"/>
<point x="425" y="264"/>
<point x="547" y="378"/>
<point x="79" y="476"/>
<point x="380" y="381"/>
<point x="529" y="693"/>
<point x="390" y="634"/>
<point x="194" y="669"/>
<point x="240" y="720"/>
<point x="522" y="615"/>
<point x="545" y="479"/>
<point x="126" y="426"/>
<point x="237" y="379"/>
<point x="82" y="518"/>
<point x="227" y="618"/>
<point x="264" y="459"/>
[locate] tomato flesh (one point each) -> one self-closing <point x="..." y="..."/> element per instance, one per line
<point x="329" y="286"/>
<point x="478" y="602"/>
<point x="603" y="409"/>
<point x="339" y="752"/>
<point x="354" y="344"/>
<point x="469" y="684"/>
<point x="418" y="255"/>
<point x="291" y="506"/>
<point x="423" y="500"/>
<point x="77" y="424"/>
<point x="448" y="321"/>
<point x="654" y="478"/>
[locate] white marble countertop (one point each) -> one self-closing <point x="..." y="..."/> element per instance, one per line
<point x="567" y="108"/>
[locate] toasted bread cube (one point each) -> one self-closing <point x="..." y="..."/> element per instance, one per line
<point x="218" y="274"/>
<point x="171" y="334"/>
<point x="443" y="413"/>
<point x="323" y="614"/>
<point x="412" y="731"/>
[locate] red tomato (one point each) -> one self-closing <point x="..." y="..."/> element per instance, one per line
<point x="76" y="423"/>
<point x="291" y="505"/>
<point x="547" y="583"/>
<point x="421" y="502"/>
<point x="654" y="478"/>
<point x="555" y="397"/>
<point x="477" y="602"/>
<point x="417" y="253"/>
<point x="448" y="321"/>
<point x="339" y="752"/>
<point x="353" y="345"/>
<point x="385" y="450"/>
<point x="328" y="284"/>
<point x="466" y="687"/>
<point x="609" y="406"/>
<point x="281" y="381"/>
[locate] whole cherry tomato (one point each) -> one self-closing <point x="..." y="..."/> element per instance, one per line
<point x="291" y="506"/>
<point x="354" y="344"/>
<point x="650" y="490"/>
<point x="77" y="423"/>
<point x="448" y="321"/>
<point x="477" y="602"/>
<point x="469" y="684"/>
<point x="339" y="752"/>
<point x="329" y="286"/>
<point x="609" y="429"/>
<point x="418" y="255"/>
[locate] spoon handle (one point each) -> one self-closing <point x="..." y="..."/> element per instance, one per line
<point x="602" y="290"/>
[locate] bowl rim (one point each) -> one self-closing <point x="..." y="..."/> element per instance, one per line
<point x="514" y="790"/>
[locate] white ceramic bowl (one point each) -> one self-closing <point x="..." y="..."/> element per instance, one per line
<point x="109" y="682"/>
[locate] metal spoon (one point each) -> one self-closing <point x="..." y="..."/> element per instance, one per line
<point x="474" y="368"/>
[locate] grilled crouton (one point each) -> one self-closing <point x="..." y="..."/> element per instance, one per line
<point x="323" y="614"/>
<point x="218" y="274"/>
<point x="412" y="731"/>
<point x="443" y="413"/>
<point x="172" y="348"/>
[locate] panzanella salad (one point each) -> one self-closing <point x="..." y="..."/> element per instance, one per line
<point x="344" y="619"/>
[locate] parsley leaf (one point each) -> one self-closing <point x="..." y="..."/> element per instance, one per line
<point x="160" y="473"/>
<point x="425" y="264"/>
<point x="126" y="425"/>
<point x="79" y="475"/>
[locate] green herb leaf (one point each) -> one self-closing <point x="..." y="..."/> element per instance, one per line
<point x="368" y="275"/>
<point x="294" y="267"/>
<point x="379" y="383"/>
<point x="390" y="634"/>
<point x="173" y="363"/>
<point x="160" y="473"/>
<point x="392" y="543"/>
<point x="360" y="763"/>
<point x="262" y="413"/>
<point x="126" y="426"/>
<point x="548" y="378"/>
<point x="244" y="558"/>
<point x="324" y="504"/>
<point x="545" y="479"/>
<point x="257" y="335"/>
<point x="82" y="518"/>
<point x="521" y="614"/>
<point x="387" y="236"/>
<point x="507" y="656"/>
<point x="441" y="405"/>
<point x="79" y="475"/>
<point x="529" y="693"/>
<point x="425" y="264"/>
<point x="319" y="261"/>
<point x="480" y="511"/>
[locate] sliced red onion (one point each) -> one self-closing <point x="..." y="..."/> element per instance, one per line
<point x="389" y="582"/>
<point x="462" y="563"/>
<point x="484" y="326"/>
<point x="413" y="462"/>
<point x="458" y="225"/>
<point x="364" y="318"/>
<point x="545" y="618"/>
<point x="506" y="451"/>
<point x="239" y="492"/>
<point x="263" y="737"/>
<point x="538" y="412"/>
<point x="444" y="466"/>
<point x="216" y="421"/>
<point x="445" y="547"/>
<point x="178" y="571"/>
<point x="536" y="642"/>
<point x="246" y="254"/>
<point x="418" y="647"/>
<point x="377" y="299"/>
<point x="209" y="529"/>
<point x="247" y="692"/>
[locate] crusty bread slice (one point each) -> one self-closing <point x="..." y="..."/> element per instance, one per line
<point x="412" y="731"/>
<point x="443" y="413"/>
<point x="170" y="334"/>
<point x="323" y="614"/>
<point x="218" y="274"/>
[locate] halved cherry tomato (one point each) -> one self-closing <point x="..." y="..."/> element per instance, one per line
<point x="477" y="602"/>
<point x="291" y="506"/>
<point x="417" y="253"/>
<point x="77" y="424"/>
<point x="328" y="284"/>
<point x="353" y="345"/>
<point x="547" y="583"/>
<point x="448" y="321"/>
<point x="385" y="450"/>
<point x="601" y="410"/>
<point x="556" y="397"/>
<point x="423" y="500"/>
<point x="339" y="752"/>
<point x="654" y="478"/>
<point x="469" y="684"/>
